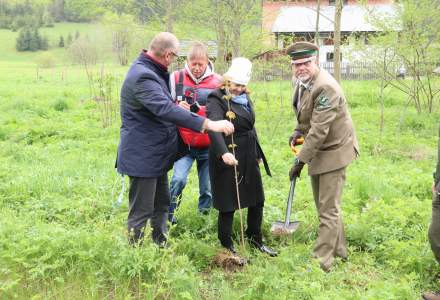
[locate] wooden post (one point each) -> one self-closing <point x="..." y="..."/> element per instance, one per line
<point x="337" y="41"/>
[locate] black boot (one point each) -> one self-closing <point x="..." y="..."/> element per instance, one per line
<point x="230" y="248"/>
<point x="136" y="237"/>
<point x="159" y="239"/>
<point x="263" y="248"/>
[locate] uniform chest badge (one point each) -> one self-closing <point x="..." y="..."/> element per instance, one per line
<point x="322" y="103"/>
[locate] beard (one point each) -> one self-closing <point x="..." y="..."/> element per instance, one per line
<point x="304" y="77"/>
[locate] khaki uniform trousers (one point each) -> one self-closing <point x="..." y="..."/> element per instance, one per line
<point x="327" y="192"/>
<point x="434" y="228"/>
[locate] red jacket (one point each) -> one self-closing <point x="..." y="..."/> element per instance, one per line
<point x="201" y="88"/>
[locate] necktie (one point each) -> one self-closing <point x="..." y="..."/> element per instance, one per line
<point x="300" y="92"/>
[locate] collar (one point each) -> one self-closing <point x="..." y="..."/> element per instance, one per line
<point x="307" y="85"/>
<point x="159" y="64"/>
<point x="208" y="72"/>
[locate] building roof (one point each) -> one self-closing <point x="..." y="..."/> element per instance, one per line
<point x="354" y="18"/>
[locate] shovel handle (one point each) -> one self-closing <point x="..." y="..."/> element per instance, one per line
<point x="290" y="200"/>
<point x="298" y="141"/>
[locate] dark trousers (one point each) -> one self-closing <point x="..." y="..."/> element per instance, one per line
<point x="149" y="199"/>
<point x="434" y="228"/>
<point x="253" y="231"/>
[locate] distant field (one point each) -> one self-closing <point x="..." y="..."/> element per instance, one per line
<point x="7" y="42"/>
<point x="61" y="237"/>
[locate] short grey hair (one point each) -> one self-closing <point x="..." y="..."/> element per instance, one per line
<point x="197" y="50"/>
<point x="162" y="42"/>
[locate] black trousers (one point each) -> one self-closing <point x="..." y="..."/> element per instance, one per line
<point x="149" y="199"/>
<point x="434" y="228"/>
<point x="253" y="230"/>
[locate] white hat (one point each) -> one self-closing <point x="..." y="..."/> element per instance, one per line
<point x="240" y="71"/>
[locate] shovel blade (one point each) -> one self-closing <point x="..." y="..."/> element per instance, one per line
<point x="281" y="228"/>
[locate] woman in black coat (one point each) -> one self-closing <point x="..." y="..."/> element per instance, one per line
<point x="248" y="155"/>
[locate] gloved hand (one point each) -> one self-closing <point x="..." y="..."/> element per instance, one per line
<point x="293" y="139"/>
<point x="296" y="169"/>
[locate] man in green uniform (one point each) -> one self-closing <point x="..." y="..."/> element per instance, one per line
<point x="330" y="145"/>
<point x="434" y="229"/>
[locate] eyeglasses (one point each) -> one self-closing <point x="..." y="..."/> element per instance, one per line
<point x="174" y="53"/>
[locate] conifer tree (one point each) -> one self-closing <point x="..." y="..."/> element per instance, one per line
<point x="21" y="43"/>
<point x="35" y="41"/>
<point x="61" y="42"/>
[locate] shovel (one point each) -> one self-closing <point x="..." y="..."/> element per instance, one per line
<point x="286" y="227"/>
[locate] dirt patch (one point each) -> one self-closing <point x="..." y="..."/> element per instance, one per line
<point x="229" y="262"/>
<point x="280" y="232"/>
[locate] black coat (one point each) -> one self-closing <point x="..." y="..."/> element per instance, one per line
<point x="247" y="152"/>
<point x="148" y="142"/>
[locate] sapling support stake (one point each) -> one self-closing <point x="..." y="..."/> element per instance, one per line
<point x="231" y="115"/>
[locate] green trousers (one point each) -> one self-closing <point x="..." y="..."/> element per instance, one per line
<point x="327" y="192"/>
<point x="434" y="228"/>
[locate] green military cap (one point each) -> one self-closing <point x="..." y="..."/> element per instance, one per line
<point x="302" y="52"/>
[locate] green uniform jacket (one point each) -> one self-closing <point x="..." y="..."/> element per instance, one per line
<point x="324" y="120"/>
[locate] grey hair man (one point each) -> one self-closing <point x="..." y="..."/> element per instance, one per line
<point x="330" y="145"/>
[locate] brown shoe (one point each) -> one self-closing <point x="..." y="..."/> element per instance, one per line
<point x="431" y="296"/>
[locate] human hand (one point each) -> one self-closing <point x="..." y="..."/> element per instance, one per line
<point x="296" y="138"/>
<point x="296" y="169"/>
<point x="220" y="126"/>
<point x="184" y="105"/>
<point x="434" y="190"/>
<point x="229" y="159"/>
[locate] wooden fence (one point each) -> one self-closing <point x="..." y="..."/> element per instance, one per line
<point x="269" y="71"/>
<point x="349" y="71"/>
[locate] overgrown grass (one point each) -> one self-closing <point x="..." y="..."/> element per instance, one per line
<point x="61" y="237"/>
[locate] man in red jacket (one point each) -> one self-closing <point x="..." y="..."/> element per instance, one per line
<point x="190" y="87"/>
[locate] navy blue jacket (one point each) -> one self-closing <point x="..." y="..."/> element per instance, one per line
<point x="148" y="143"/>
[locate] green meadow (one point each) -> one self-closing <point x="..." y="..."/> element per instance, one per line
<point x="63" y="237"/>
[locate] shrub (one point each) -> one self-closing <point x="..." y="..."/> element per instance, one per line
<point x="46" y="60"/>
<point x="83" y="52"/>
<point x="60" y="105"/>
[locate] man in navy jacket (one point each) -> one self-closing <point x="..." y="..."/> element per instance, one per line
<point x="148" y="136"/>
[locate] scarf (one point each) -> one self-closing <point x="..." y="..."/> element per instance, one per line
<point x="242" y="100"/>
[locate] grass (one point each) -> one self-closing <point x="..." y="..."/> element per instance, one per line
<point x="61" y="237"/>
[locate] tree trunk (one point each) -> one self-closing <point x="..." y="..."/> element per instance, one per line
<point x="220" y="21"/>
<point x="236" y="39"/>
<point x="169" y="15"/>
<point x="318" y="6"/>
<point x="238" y="14"/>
<point x="220" y="64"/>
<point x="337" y="41"/>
